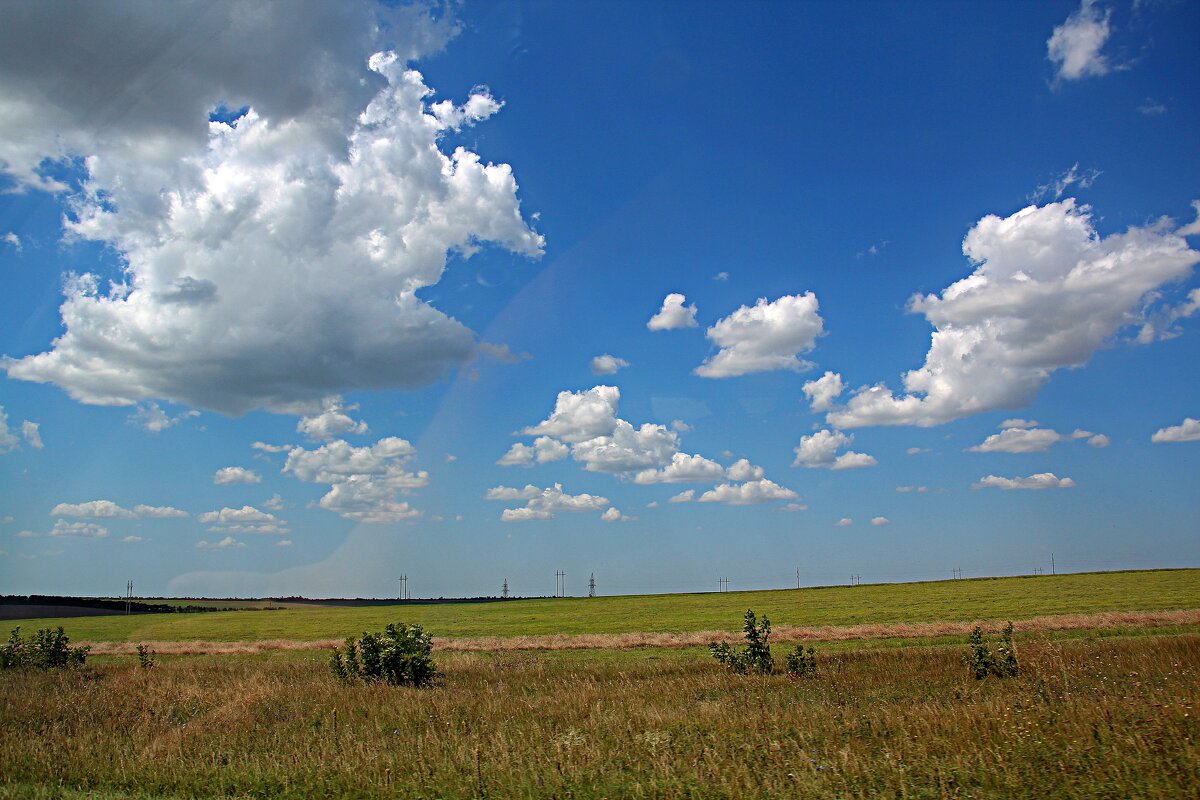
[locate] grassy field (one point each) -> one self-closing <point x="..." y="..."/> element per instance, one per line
<point x="1113" y="717"/>
<point x="963" y="600"/>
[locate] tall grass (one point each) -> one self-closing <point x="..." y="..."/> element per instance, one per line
<point x="1086" y="718"/>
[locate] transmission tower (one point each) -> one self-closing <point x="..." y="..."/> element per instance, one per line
<point x="504" y="589"/>
<point x="592" y="585"/>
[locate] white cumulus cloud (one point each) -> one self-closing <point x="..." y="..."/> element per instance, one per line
<point x="224" y="544"/>
<point x="545" y="503"/>
<point x="363" y="481"/>
<point x="607" y="364"/>
<point x="107" y="509"/>
<point x="1043" y="480"/>
<point x="1187" y="431"/>
<point x="749" y="493"/>
<point x="1033" y="440"/>
<point x="236" y="475"/>
<point x="332" y="422"/>
<point x="673" y="314"/>
<point x="683" y="497"/>
<point x="1046" y="293"/>
<point x="151" y="417"/>
<point x="272" y="260"/>
<point x="821" y="450"/>
<point x="823" y="391"/>
<point x="86" y="530"/>
<point x="877" y="521"/>
<point x="1075" y="45"/>
<point x="683" y="468"/>
<point x="766" y="336"/>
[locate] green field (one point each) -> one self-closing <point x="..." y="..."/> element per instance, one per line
<point x="962" y="600"/>
<point x="1111" y="713"/>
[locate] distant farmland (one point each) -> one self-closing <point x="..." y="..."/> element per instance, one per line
<point x="1111" y="712"/>
<point x="960" y="601"/>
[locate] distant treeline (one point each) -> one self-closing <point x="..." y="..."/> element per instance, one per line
<point x="111" y="606"/>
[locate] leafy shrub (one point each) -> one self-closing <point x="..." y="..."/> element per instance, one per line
<point x="145" y="657"/>
<point x="756" y="656"/>
<point x="45" y="650"/>
<point x="399" y="656"/>
<point x="800" y="663"/>
<point x="983" y="662"/>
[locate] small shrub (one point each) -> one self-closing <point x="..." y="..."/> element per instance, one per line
<point x="756" y="656"/>
<point x="145" y="657"/>
<point x="983" y="662"/>
<point x="400" y="656"/>
<point x="801" y="663"/>
<point x="47" y="649"/>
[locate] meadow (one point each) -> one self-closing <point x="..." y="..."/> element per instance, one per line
<point x="962" y="601"/>
<point x="1093" y="713"/>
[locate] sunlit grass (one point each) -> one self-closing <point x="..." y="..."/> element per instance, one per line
<point x="1086" y="718"/>
<point x="964" y="600"/>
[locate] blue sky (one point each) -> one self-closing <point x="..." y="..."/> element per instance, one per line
<point x="299" y="300"/>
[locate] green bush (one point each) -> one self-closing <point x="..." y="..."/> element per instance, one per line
<point x="47" y="649"/>
<point x="756" y="656"/>
<point x="801" y="663"/>
<point x="145" y="657"/>
<point x="400" y="656"/>
<point x="983" y="662"/>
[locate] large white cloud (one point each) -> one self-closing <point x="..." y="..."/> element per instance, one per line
<point x="763" y="337"/>
<point x="1187" y="431"/>
<point x="271" y="261"/>
<point x="1046" y="293"/>
<point x="1075" y="45"/>
<point x="821" y="450"/>
<point x="363" y="481"/>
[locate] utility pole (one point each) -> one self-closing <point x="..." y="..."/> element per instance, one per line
<point x="957" y="573"/>
<point x="724" y="584"/>
<point x="797" y="577"/>
<point x="504" y="589"/>
<point x="560" y="583"/>
<point x="1037" y="570"/>
<point x="1052" y="572"/>
<point x="128" y="595"/>
<point x="855" y="580"/>
<point x="403" y="587"/>
<point x="592" y="585"/>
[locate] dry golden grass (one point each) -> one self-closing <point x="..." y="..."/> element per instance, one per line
<point x="616" y="641"/>
<point x="1115" y="717"/>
